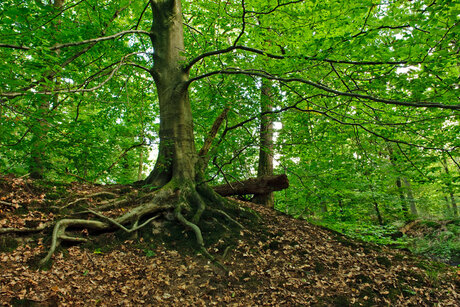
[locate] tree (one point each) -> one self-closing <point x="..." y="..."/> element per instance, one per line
<point x="339" y="60"/>
<point x="265" y="165"/>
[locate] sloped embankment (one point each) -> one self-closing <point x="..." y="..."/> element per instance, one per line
<point x="281" y="261"/>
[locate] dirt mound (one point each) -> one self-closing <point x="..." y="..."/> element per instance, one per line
<point x="281" y="261"/>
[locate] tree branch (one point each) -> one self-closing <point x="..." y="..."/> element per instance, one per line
<point x="14" y="47"/>
<point x="282" y="57"/>
<point x="244" y="23"/>
<point x="88" y="41"/>
<point x="99" y="39"/>
<point x="212" y="134"/>
<point x="372" y="132"/>
<point x="77" y="89"/>
<point x="327" y="89"/>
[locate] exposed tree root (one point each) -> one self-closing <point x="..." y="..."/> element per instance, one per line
<point x="4" y="203"/>
<point x="160" y="202"/>
<point x="26" y="230"/>
<point x="116" y="203"/>
<point x="184" y="201"/>
<point x="104" y="194"/>
<point x="228" y="217"/>
<point x="114" y="222"/>
<point x="60" y="235"/>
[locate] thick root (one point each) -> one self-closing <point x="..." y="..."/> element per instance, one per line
<point x="160" y="202"/>
<point x="199" y="237"/>
<point x="223" y="213"/>
<point x="185" y="200"/>
<point x="26" y="230"/>
<point x="59" y="233"/>
<point x="6" y="204"/>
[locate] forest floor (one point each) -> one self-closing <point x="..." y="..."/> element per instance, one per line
<point x="280" y="262"/>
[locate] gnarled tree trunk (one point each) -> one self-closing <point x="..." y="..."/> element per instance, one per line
<point x="177" y="175"/>
<point x="177" y="154"/>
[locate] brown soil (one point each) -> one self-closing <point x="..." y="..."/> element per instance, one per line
<point x="281" y="262"/>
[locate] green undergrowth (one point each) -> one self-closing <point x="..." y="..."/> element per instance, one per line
<point x="438" y="240"/>
<point x="384" y="235"/>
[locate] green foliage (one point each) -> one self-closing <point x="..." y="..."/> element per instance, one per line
<point x="386" y="234"/>
<point x="439" y="241"/>
<point x="149" y="253"/>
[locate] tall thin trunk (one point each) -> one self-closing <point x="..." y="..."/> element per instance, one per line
<point x="141" y="165"/>
<point x="377" y="212"/>
<point x="266" y="143"/>
<point x="177" y="154"/>
<point x="405" y="210"/>
<point x="323" y="206"/>
<point x="376" y="205"/>
<point x="449" y="188"/>
<point x="341" y="211"/>
<point x="448" y="209"/>
<point x="37" y="151"/>
<point x="402" y="198"/>
<point x="454" y="204"/>
<point x="410" y="197"/>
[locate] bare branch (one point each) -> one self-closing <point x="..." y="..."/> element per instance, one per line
<point x="282" y="57"/>
<point x="78" y="89"/>
<point x="275" y="8"/>
<point x="88" y="41"/>
<point x="140" y="66"/>
<point x="121" y="156"/>
<point x="327" y="89"/>
<point x="14" y="47"/>
<point x="244" y="23"/>
<point x="370" y="131"/>
<point x="99" y="39"/>
<point x="60" y="13"/>
<point x="212" y="134"/>
<point x="142" y="14"/>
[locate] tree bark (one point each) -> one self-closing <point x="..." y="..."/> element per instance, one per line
<point x="405" y="210"/>
<point x="141" y="165"/>
<point x="402" y="198"/>
<point x="450" y="188"/>
<point x="266" y="144"/>
<point x="410" y="197"/>
<point x="177" y="154"/>
<point x="257" y="186"/>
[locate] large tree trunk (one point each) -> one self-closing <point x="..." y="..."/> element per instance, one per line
<point x="266" y="144"/>
<point x="258" y="186"/>
<point x="177" y="154"/>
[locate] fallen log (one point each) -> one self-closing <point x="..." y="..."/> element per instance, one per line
<point x="259" y="185"/>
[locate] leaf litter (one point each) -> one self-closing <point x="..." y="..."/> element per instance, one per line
<point x="281" y="261"/>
